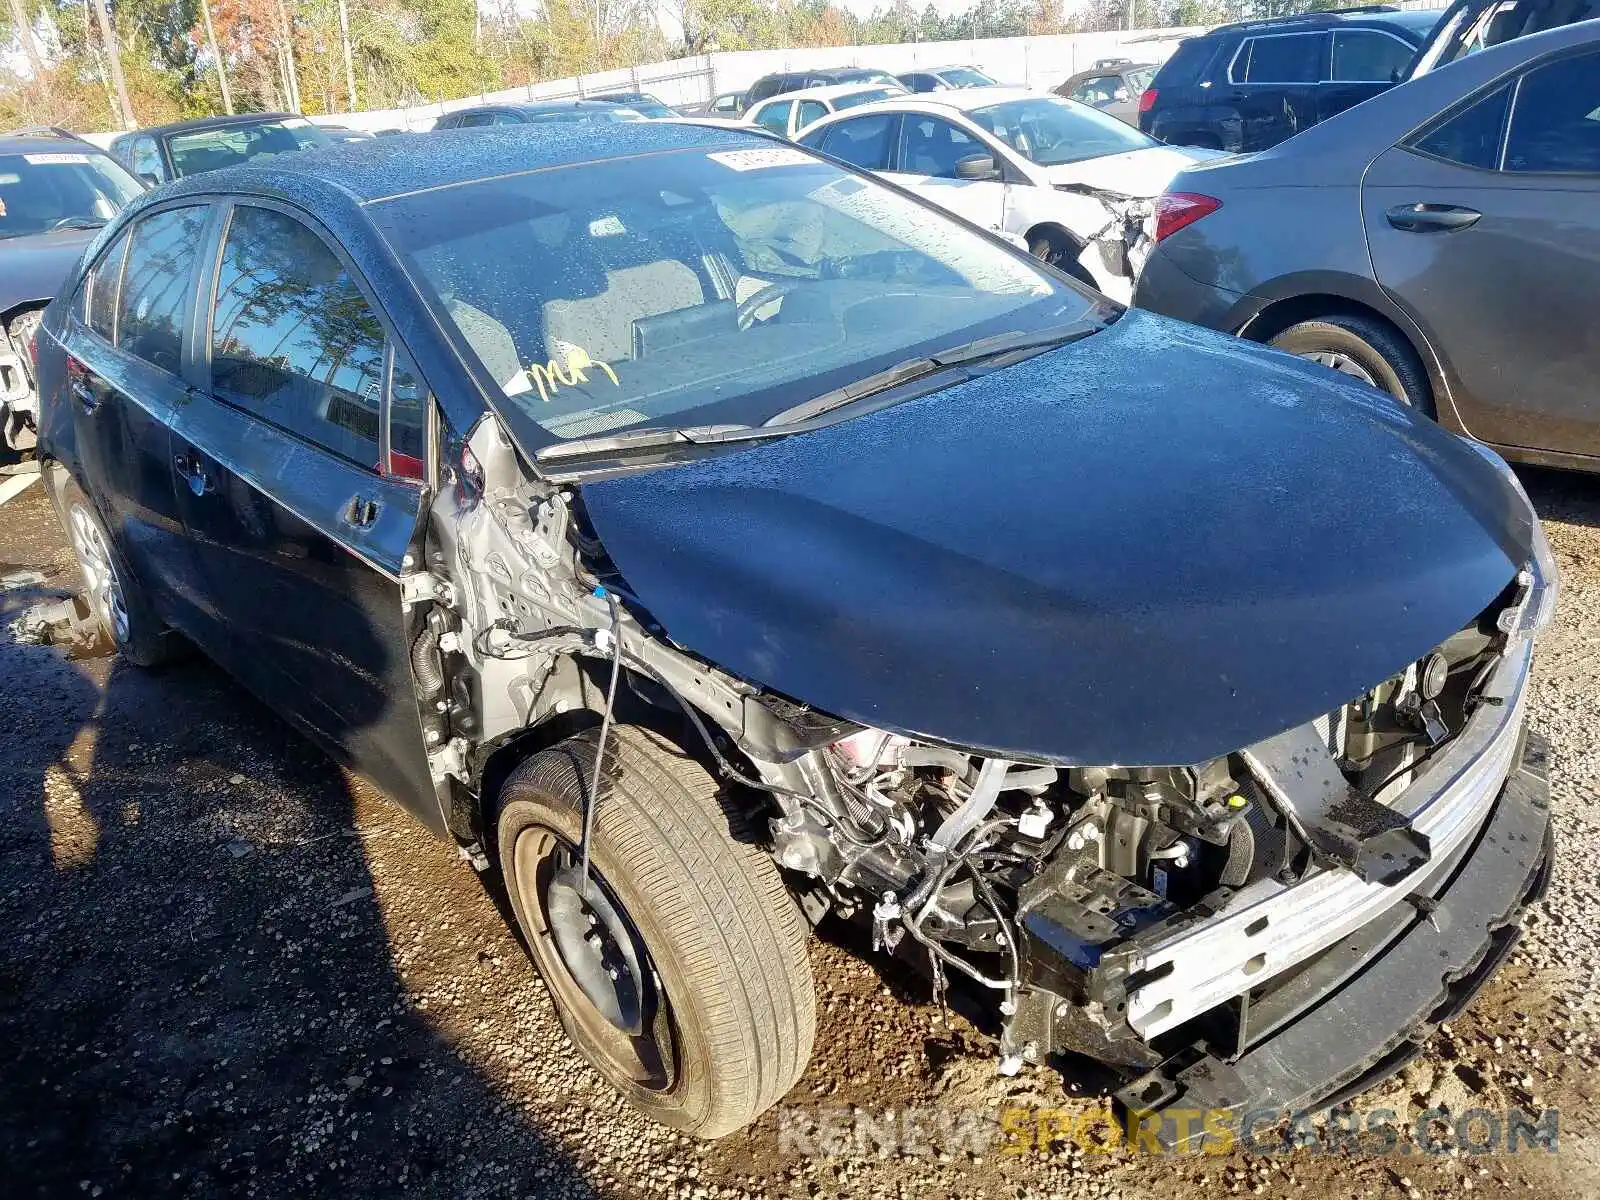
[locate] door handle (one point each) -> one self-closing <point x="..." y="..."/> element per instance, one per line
<point x="193" y="473"/>
<point x="360" y="513"/>
<point x="1432" y="218"/>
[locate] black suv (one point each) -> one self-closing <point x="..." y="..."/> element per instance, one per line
<point x="1249" y="86"/>
<point x="792" y="81"/>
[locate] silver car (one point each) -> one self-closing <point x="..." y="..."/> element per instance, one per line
<point x="1440" y="242"/>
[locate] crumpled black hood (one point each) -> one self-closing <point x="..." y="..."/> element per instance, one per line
<point x="1154" y="546"/>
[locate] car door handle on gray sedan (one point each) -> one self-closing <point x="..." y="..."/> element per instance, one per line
<point x="1432" y="218"/>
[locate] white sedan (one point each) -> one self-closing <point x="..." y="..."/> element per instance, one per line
<point x="1077" y="186"/>
<point x="789" y="113"/>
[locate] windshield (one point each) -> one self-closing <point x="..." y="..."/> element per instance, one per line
<point x="965" y="77"/>
<point x="866" y="97"/>
<point x="57" y="189"/>
<point x="230" y="145"/>
<point x="1050" y="131"/>
<point x="701" y="286"/>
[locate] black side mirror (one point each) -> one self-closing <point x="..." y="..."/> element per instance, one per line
<point x="977" y="167"/>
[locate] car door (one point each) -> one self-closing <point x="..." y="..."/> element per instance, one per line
<point x="1364" y="63"/>
<point x="298" y="476"/>
<point x="1273" y="84"/>
<point x="930" y="149"/>
<point x="128" y="376"/>
<point x="1486" y="226"/>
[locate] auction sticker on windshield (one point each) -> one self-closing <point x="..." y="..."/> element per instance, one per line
<point x="41" y="160"/>
<point x="756" y="160"/>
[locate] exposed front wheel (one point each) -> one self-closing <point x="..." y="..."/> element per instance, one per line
<point x="1363" y="349"/>
<point x="680" y="971"/>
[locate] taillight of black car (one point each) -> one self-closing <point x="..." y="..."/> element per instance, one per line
<point x="1179" y="210"/>
<point x="1147" y="99"/>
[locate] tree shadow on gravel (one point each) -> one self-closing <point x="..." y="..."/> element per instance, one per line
<point x="198" y="991"/>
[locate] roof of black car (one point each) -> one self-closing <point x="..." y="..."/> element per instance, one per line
<point x="1375" y="13"/>
<point x="586" y="104"/>
<point x="215" y="123"/>
<point x="42" y="139"/>
<point x="379" y="168"/>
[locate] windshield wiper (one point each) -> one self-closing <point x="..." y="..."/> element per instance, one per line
<point x="630" y="440"/>
<point x="998" y="345"/>
<point x="76" y="223"/>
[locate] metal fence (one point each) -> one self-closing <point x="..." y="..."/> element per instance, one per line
<point x="1029" y="61"/>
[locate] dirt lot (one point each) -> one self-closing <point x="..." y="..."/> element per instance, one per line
<point x="228" y="968"/>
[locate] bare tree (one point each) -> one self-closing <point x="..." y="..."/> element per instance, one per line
<point x="108" y="37"/>
<point x="30" y="43"/>
<point x="216" y="53"/>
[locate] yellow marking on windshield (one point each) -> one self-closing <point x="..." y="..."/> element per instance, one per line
<point x="551" y="376"/>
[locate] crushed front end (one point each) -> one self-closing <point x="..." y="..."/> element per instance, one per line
<point x="1269" y="930"/>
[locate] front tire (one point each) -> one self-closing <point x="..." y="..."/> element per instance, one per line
<point x="682" y="973"/>
<point x="119" y="605"/>
<point x="1365" y="349"/>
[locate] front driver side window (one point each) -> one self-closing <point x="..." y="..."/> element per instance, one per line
<point x="147" y="160"/>
<point x="929" y="146"/>
<point x="293" y="340"/>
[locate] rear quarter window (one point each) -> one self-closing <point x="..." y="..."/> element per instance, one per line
<point x="1189" y="62"/>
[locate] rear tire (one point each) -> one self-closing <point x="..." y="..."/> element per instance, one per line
<point x="114" y="595"/>
<point x="710" y="1012"/>
<point x="1366" y="349"/>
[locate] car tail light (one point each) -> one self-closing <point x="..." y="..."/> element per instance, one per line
<point x="1147" y="100"/>
<point x="1179" y="210"/>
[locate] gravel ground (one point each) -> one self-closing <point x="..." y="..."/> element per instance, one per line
<point x="229" y="968"/>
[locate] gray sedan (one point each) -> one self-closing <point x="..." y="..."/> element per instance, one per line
<point x="1440" y="241"/>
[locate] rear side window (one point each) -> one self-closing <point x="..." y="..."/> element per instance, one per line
<point x="1282" y="58"/>
<point x="864" y="142"/>
<point x="1188" y="62"/>
<point x="101" y="313"/>
<point x="775" y="116"/>
<point x="1367" y="56"/>
<point x="156" y="285"/>
<point x="1472" y="136"/>
<point x="811" y="110"/>
<point x="293" y="340"/>
<point x="1555" y="126"/>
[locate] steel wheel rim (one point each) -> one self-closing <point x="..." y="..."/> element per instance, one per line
<point x="1338" y="360"/>
<point x="99" y="574"/>
<point x="623" y="1023"/>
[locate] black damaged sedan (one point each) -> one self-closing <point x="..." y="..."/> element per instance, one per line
<point x="710" y="540"/>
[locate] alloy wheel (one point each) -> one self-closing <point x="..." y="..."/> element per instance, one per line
<point x="1338" y="360"/>
<point x="99" y="573"/>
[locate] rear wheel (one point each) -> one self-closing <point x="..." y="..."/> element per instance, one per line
<point x="1363" y="348"/>
<point x="114" y="596"/>
<point x="680" y="972"/>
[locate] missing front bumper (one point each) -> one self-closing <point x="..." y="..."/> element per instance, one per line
<point x="1360" y="1010"/>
